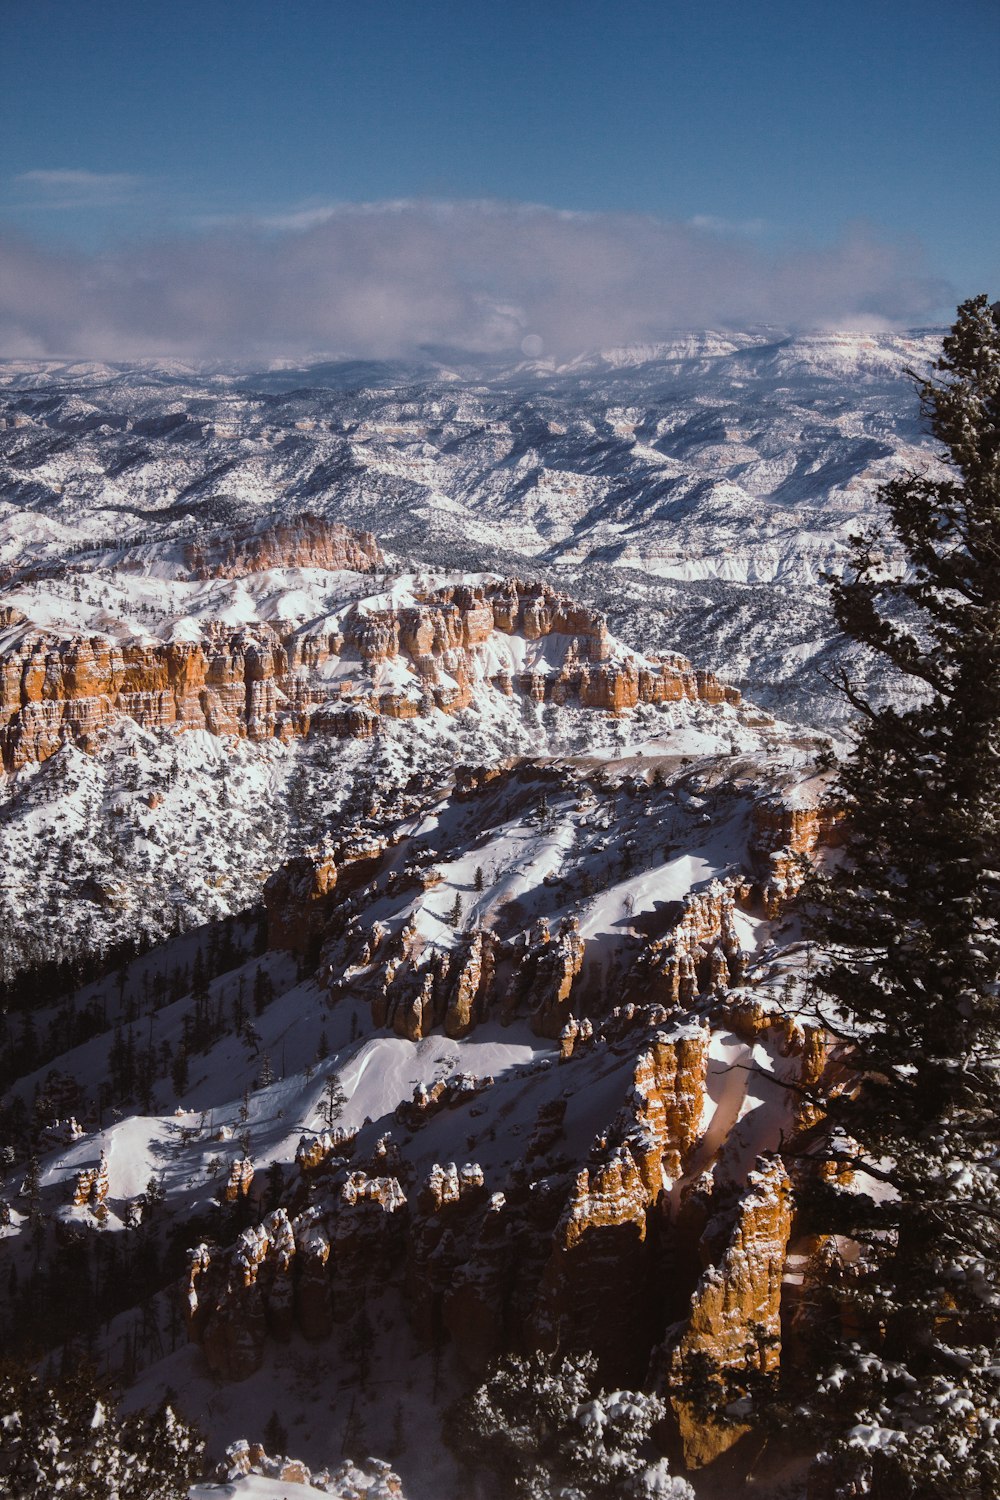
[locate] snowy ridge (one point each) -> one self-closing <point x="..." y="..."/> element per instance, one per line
<point x="720" y="473"/>
<point x="619" y="847"/>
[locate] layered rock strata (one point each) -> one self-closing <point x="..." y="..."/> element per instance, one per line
<point x="304" y="541"/>
<point x="265" y="682"/>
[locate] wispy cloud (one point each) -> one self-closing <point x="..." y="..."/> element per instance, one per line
<point x="384" y="278"/>
<point x="727" y="226"/>
<point x="71" y="187"/>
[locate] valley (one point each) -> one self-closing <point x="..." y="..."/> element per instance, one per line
<point x="408" y="776"/>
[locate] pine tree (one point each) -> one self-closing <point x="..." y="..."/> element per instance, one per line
<point x="334" y="1100"/>
<point x="64" y="1438"/>
<point x="179" y="1070"/>
<point x="275" y="1436"/>
<point x="275" y="1185"/>
<point x="32" y="1190"/>
<point x="912" y="924"/>
<point x="263" y="990"/>
<point x="540" y="1428"/>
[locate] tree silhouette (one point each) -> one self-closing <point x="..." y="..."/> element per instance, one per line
<point x="911" y="921"/>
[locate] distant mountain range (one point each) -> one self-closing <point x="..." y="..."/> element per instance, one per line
<point x="695" y="489"/>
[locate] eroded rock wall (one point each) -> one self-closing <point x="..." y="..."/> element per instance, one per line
<point x="264" y="683"/>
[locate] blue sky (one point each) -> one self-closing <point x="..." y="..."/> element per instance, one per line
<point x="782" y="133"/>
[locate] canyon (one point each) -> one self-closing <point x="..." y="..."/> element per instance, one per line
<point x="399" y="929"/>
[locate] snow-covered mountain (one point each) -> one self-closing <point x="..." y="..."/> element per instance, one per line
<point x="696" y="488"/>
<point x="407" y="773"/>
<point x="326" y="1164"/>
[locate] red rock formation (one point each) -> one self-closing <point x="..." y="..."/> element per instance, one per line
<point x="544" y="970"/>
<point x="447" y="1093"/>
<point x="318" y="1151"/>
<point x="701" y="950"/>
<point x="596" y="1289"/>
<point x="304" y="541"/>
<point x="313" y="1293"/>
<point x="783" y="837"/>
<point x="301" y="894"/>
<point x="598" y="1285"/>
<point x="591" y="1257"/>
<point x="263" y="684"/>
<point x="313" y="1269"/>
<point x="734" y="1327"/>
<point x="240" y="1180"/>
<point x="367" y="1237"/>
<point x="661" y="1122"/>
<point x="473" y="984"/>
<point x="573" y="1035"/>
<point x="447" y="1204"/>
<point x="91" y="1185"/>
<point x="555" y="972"/>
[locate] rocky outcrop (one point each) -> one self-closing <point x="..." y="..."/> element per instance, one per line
<point x="745" y="1014"/>
<point x="413" y="992"/>
<point x="700" y="952"/>
<point x="369" y="1229"/>
<point x="573" y="1035"/>
<point x="597" y="1286"/>
<point x="91" y="1185"/>
<point x="734" y="1327"/>
<point x="474" y="976"/>
<point x="312" y="1269"/>
<point x="448" y="1205"/>
<point x="240" y="1180"/>
<point x="559" y="1256"/>
<point x="302" y="893"/>
<point x="546" y="976"/>
<point x="636" y="1245"/>
<point x="600" y="1281"/>
<point x="374" y="1481"/>
<point x="430" y="1099"/>
<point x="785" y="833"/>
<point x="661" y="1123"/>
<point x="264" y="683"/>
<point x="537" y="972"/>
<point x="304" y="541"/>
<point x="314" y="1152"/>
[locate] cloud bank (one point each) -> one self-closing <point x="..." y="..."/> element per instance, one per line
<point x="385" y="279"/>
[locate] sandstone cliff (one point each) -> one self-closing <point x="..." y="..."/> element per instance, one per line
<point x="734" y="1326"/>
<point x="377" y="658"/>
<point x="304" y="541"/>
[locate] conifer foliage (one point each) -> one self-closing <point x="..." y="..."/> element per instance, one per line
<point x="912" y="922"/>
<point x="539" y="1428"/>
<point x="64" y="1439"/>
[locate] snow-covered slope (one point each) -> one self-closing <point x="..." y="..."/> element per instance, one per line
<point x="586" y="878"/>
<point x="398" y="952"/>
<point x="712" y="478"/>
<point x="170" y="740"/>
